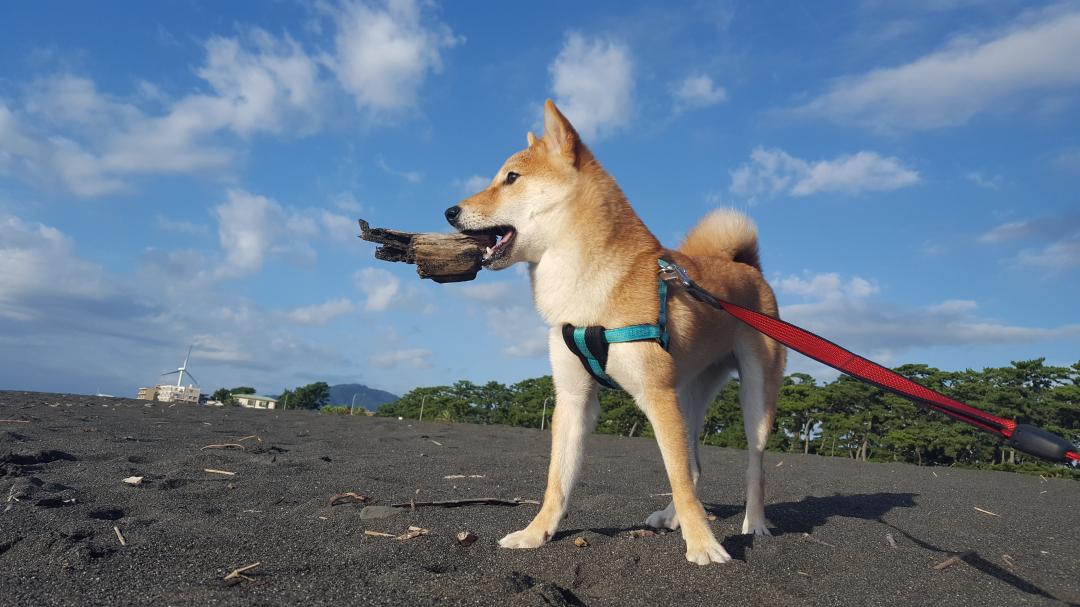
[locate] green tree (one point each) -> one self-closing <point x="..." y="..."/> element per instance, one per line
<point x="311" y="396"/>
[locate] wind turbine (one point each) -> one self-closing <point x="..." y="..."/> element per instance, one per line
<point x="182" y="370"/>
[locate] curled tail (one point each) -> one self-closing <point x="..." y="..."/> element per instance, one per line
<point x="725" y="233"/>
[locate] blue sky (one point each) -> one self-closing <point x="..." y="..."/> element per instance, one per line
<point x="190" y="172"/>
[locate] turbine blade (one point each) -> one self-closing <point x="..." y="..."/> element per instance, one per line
<point x="192" y="377"/>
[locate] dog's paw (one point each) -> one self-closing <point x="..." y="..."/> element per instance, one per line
<point x="706" y="551"/>
<point x="754" y="528"/>
<point x="526" y="538"/>
<point x="663" y="519"/>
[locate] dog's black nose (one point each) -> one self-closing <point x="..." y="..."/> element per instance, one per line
<point x="452" y="214"/>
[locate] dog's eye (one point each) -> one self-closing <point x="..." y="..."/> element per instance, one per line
<point x="511" y="177"/>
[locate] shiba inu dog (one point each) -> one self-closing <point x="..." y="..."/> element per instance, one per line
<point x="593" y="262"/>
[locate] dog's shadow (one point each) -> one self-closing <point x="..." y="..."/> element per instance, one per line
<point x="802" y="516"/>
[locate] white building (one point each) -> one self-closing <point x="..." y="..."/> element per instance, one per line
<point x="168" y="393"/>
<point x="254" y="401"/>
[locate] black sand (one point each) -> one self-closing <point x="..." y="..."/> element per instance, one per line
<point x="61" y="496"/>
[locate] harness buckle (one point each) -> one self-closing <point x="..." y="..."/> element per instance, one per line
<point x="671" y="273"/>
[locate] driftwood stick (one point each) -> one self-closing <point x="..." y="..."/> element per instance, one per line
<point x="475" y="501"/>
<point x="239" y="572"/>
<point x="224" y="446"/>
<point x="440" y="257"/>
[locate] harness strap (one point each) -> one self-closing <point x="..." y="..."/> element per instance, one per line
<point x="590" y="344"/>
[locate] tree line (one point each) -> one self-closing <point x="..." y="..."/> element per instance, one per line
<point x="312" y="396"/>
<point x="841" y="418"/>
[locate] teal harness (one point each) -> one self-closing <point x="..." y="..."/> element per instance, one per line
<point x="590" y="344"/>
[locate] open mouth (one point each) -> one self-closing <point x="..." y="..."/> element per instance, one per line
<point x="503" y="241"/>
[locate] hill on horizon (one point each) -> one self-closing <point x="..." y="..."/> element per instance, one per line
<point x="368" y="398"/>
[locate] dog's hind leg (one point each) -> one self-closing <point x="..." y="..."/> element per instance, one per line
<point x="573" y="419"/>
<point x="761" y="369"/>
<point x="694" y="399"/>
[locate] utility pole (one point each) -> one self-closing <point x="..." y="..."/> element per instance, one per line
<point x="352" y="407"/>
<point x="422" y="401"/>
<point x="543" y="415"/>
<point x="286" y="401"/>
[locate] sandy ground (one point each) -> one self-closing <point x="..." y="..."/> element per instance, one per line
<point x="846" y="533"/>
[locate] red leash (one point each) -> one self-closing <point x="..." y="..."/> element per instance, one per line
<point x="1024" y="437"/>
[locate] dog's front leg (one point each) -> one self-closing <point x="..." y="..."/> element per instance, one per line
<point x="647" y="372"/>
<point x="575" y="414"/>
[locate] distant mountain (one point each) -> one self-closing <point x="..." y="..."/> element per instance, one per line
<point x="368" y="398"/>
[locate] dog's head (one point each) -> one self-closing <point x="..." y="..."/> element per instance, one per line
<point x="521" y="205"/>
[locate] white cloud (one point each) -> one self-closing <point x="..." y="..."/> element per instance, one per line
<point x="181" y="226"/>
<point x="417" y="358"/>
<point x="473" y="184"/>
<point x="1057" y="238"/>
<point x="381" y="288"/>
<point x="340" y="228"/>
<point x="384" y="51"/>
<point x="520" y="329"/>
<point x="410" y="176"/>
<point x="510" y="315"/>
<point x="826" y="286"/>
<point x="39" y="263"/>
<point x="773" y="172"/>
<point x="593" y="81"/>
<point x="251" y="227"/>
<point x="320" y="314"/>
<point x="1060" y="256"/>
<point x="69" y="134"/>
<point x="970" y="75"/>
<point x="66" y="323"/>
<point x="490" y="291"/>
<point x="1068" y="160"/>
<point x="698" y="90"/>
<point x="846" y="312"/>
<point x="348" y="203"/>
<point x="988" y="182"/>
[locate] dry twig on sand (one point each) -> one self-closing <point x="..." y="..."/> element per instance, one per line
<point x="249" y="437"/>
<point x="954" y="559"/>
<point x="213" y="471"/>
<point x="378" y="533"/>
<point x="350" y="496"/>
<point x="225" y="446"/>
<point x="14" y="421"/>
<point x="238" y="573"/>
<point x="119" y="536"/>
<point x="985" y="511"/>
<point x="473" y="501"/>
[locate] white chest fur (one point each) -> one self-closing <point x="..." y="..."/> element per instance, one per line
<point x="567" y="289"/>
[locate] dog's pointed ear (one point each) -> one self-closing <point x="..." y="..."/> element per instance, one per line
<point x="559" y="134"/>
<point x="531" y="138"/>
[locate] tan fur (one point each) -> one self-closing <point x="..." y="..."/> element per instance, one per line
<point x="593" y="262"/>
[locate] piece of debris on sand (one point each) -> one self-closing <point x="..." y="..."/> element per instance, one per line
<point x="466" y="538"/>
<point x="134" y="481"/>
<point x="350" y="497"/>
<point x="413" y="532"/>
<point x="642" y="533"/>
<point x="238" y="573"/>
<point x="581" y="542"/>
